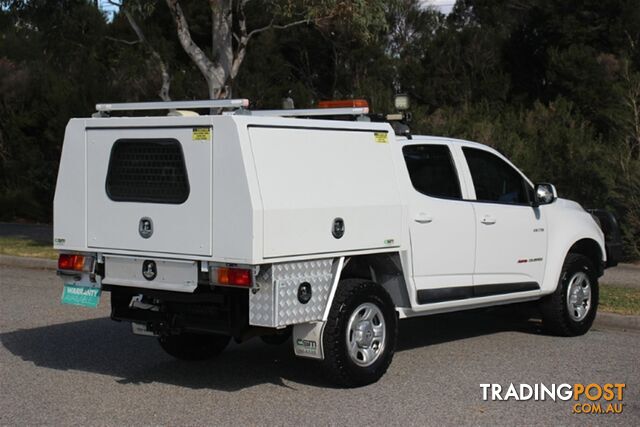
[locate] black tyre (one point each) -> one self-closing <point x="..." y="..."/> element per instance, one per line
<point x="571" y="309"/>
<point x="188" y="346"/>
<point x="360" y="335"/>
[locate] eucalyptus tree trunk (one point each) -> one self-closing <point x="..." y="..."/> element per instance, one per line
<point x="216" y="73"/>
<point x="164" y="69"/>
<point x="221" y="68"/>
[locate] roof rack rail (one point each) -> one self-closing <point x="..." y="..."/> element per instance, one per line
<point x="104" y="109"/>
<point x="356" y="111"/>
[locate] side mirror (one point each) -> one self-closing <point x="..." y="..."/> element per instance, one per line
<point x="544" y="194"/>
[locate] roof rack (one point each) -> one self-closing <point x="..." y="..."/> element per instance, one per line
<point x="104" y="109"/>
<point x="355" y="111"/>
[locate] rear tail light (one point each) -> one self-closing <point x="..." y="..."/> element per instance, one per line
<point x="71" y="262"/>
<point x="234" y="276"/>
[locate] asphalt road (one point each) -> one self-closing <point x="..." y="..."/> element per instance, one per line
<point x="42" y="233"/>
<point x="65" y="365"/>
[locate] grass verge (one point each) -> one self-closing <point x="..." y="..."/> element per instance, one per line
<point x="17" y="246"/>
<point x="616" y="299"/>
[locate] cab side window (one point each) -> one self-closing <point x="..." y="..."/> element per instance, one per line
<point x="432" y="170"/>
<point x="495" y="180"/>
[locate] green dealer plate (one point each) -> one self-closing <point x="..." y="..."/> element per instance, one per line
<point x="85" y="296"/>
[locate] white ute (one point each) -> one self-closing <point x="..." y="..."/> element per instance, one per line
<point x="248" y="223"/>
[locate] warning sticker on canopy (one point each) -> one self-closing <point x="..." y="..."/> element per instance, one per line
<point x="381" y="137"/>
<point x="201" y="134"/>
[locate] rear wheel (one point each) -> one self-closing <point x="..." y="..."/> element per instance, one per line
<point x="571" y="309"/>
<point x="189" y="346"/>
<point x="360" y="335"/>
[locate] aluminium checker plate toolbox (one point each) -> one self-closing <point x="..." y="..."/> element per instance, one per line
<point x="276" y="302"/>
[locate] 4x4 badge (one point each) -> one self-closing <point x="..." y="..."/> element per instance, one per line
<point x="145" y="227"/>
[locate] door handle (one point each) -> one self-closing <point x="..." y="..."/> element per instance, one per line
<point x="423" y="218"/>
<point x="488" y="219"/>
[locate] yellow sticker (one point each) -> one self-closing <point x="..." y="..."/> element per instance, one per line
<point x="381" y="137"/>
<point x="201" y="134"/>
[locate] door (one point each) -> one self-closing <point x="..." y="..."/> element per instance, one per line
<point x="149" y="189"/>
<point x="308" y="186"/>
<point x="511" y="238"/>
<point x="442" y="225"/>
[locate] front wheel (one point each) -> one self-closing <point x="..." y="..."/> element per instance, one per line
<point x="571" y="309"/>
<point x="360" y="335"/>
<point x="189" y="346"/>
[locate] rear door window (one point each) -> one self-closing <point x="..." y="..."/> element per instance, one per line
<point x="147" y="171"/>
<point x="432" y="170"/>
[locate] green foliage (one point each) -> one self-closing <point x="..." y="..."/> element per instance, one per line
<point x="555" y="85"/>
<point x="49" y="70"/>
<point x="625" y="202"/>
<point x="361" y="19"/>
<point x="547" y="142"/>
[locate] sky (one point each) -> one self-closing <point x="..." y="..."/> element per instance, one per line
<point x="108" y="8"/>
<point x="443" y="6"/>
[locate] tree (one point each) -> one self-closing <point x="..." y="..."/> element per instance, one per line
<point x="163" y="93"/>
<point x="53" y="66"/>
<point x="231" y="34"/>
